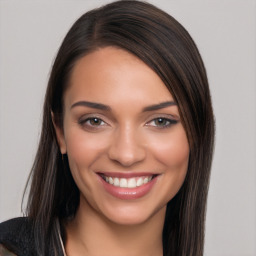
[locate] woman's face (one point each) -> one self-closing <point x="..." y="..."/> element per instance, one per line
<point x="127" y="149"/>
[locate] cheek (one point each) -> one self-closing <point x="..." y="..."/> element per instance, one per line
<point x="173" y="150"/>
<point x="173" y="154"/>
<point x="83" y="148"/>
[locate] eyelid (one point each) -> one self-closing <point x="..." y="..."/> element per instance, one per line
<point x="91" y="118"/>
<point x="91" y="115"/>
<point x="82" y="121"/>
<point x="169" y="118"/>
<point x="166" y="116"/>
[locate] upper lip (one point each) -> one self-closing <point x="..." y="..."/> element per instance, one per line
<point x="127" y="175"/>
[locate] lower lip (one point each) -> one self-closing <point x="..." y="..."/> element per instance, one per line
<point x="129" y="193"/>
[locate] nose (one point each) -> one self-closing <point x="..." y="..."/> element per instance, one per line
<point x="127" y="147"/>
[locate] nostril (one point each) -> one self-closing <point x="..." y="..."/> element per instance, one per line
<point x="125" y="158"/>
<point x="126" y="147"/>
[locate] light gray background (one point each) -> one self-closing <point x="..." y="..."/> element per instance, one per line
<point x="225" y="32"/>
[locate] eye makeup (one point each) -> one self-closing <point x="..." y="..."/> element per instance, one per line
<point x="92" y="122"/>
<point x="162" y="122"/>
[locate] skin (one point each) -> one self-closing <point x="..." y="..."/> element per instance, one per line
<point x="127" y="137"/>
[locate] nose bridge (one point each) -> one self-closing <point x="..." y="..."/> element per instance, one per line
<point x="126" y="146"/>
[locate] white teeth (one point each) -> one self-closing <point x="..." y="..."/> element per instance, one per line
<point x="128" y="183"/>
<point x="145" y="180"/>
<point x="139" y="182"/>
<point x="132" y="183"/>
<point x="123" y="183"/>
<point x="116" y="182"/>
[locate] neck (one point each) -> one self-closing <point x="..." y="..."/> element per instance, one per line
<point x="91" y="233"/>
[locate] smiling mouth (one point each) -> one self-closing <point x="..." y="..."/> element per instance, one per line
<point x="132" y="182"/>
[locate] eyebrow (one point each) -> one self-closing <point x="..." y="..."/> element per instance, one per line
<point x="91" y="105"/>
<point x="160" y="106"/>
<point x="107" y="108"/>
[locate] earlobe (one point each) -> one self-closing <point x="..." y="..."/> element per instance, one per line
<point x="60" y="135"/>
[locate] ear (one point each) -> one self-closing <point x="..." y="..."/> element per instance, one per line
<point x="60" y="135"/>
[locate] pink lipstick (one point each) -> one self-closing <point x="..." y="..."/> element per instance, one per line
<point x="128" y="186"/>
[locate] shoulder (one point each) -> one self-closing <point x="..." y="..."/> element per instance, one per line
<point x="17" y="236"/>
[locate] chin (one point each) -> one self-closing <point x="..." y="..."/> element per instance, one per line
<point x="132" y="216"/>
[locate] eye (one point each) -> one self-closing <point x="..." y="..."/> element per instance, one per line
<point x="92" y="123"/>
<point x="162" y="122"/>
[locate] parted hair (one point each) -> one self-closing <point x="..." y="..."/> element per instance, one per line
<point x="166" y="47"/>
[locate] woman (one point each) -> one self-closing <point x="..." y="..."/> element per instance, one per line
<point x="124" y="159"/>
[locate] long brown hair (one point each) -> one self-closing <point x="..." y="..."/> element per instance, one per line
<point x="164" y="45"/>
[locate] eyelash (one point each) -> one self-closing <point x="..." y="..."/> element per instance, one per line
<point x="165" y="120"/>
<point x="87" y="122"/>
<point x="98" y="122"/>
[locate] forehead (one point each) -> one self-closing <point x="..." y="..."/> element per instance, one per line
<point x="109" y="74"/>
